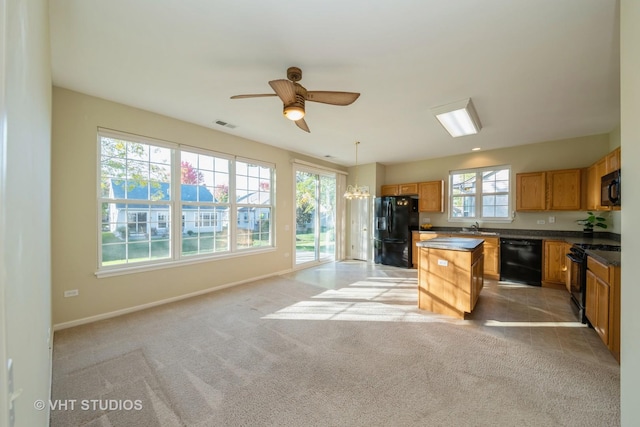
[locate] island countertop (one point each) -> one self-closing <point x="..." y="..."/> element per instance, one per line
<point x="451" y="243"/>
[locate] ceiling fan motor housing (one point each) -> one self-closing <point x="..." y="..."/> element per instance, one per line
<point x="294" y="74"/>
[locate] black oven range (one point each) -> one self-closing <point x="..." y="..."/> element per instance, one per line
<point x="577" y="272"/>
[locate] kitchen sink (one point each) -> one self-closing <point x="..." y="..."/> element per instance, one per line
<point x="477" y="233"/>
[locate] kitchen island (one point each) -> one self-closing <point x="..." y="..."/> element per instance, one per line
<point x="450" y="275"/>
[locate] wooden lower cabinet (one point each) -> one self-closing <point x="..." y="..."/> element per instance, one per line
<point x="492" y="258"/>
<point x="554" y="259"/>
<point x="449" y="281"/>
<point x="602" y="306"/>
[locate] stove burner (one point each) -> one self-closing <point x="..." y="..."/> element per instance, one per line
<point x="598" y="247"/>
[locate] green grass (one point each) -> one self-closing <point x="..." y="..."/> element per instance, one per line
<point x="114" y="250"/>
<point x="306" y="242"/>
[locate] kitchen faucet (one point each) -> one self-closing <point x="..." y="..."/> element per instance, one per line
<point x="475" y="227"/>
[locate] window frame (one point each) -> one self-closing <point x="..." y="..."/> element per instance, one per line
<point x="478" y="195"/>
<point x="175" y="215"/>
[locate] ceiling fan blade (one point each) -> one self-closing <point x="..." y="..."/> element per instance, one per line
<point x="285" y="89"/>
<point x="333" y="98"/>
<point x="257" y="95"/>
<point x="303" y="125"/>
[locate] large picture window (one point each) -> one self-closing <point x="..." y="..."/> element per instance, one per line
<point x="162" y="202"/>
<point x="480" y="194"/>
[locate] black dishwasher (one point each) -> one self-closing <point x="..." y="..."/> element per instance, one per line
<point x="521" y="261"/>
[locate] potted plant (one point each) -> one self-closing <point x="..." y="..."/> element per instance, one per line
<point x="591" y="221"/>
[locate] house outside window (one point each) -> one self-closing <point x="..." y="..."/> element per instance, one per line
<point x="480" y="194"/>
<point x="146" y="185"/>
<point x="254" y="209"/>
<point x="162" y="221"/>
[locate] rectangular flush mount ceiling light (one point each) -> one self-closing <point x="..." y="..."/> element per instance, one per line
<point x="458" y="118"/>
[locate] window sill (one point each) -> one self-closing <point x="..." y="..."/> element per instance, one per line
<point x="483" y="220"/>
<point x="119" y="271"/>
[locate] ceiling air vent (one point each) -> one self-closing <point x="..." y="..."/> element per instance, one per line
<point x="225" y="124"/>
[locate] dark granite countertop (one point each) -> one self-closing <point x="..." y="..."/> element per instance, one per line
<point x="607" y="257"/>
<point x="451" y="243"/>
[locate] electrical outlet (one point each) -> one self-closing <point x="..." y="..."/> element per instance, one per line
<point x="71" y="293"/>
<point x="541" y="221"/>
<point x="552" y="220"/>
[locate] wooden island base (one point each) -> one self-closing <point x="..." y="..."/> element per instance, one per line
<point x="450" y="275"/>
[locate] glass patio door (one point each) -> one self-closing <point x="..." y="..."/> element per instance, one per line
<point x="315" y="216"/>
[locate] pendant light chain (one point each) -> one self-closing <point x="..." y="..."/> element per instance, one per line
<point x="356" y="192"/>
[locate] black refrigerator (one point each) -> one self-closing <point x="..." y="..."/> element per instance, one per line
<point x="395" y="218"/>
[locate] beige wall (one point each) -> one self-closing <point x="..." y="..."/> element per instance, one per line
<point x="615" y="138"/>
<point x="25" y="252"/>
<point x="76" y="118"/>
<point x="562" y="154"/>
<point x="630" y="143"/>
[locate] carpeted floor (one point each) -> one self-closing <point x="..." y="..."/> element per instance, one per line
<point x="341" y="344"/>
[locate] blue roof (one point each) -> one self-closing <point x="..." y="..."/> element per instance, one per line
<point x="158" y="191"/>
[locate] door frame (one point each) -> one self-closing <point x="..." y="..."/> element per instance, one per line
<point x="360" y="221"/>
<point x="340" y="178"/>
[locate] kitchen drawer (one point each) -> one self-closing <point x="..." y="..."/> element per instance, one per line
<point x="599" y="269"/>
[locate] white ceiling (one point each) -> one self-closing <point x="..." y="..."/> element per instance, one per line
<point x="537" y="70"/>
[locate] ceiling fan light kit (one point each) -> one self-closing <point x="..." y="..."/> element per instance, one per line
<point x="293" y="112"/>
<point x="294" y="95"/>
<point x="458" y="118"/>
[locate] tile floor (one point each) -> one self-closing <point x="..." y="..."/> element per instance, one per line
<point x="539" y="316"/>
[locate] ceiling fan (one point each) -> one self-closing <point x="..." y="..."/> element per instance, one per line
<point x="294" y="95"/>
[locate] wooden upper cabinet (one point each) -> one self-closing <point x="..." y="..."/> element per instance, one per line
<point x="550" y="190"/>
<point x="399" y="189"/>
<point x="390" y="190"/>
<point x="431" y="196"/>
<point x="612" y="161"/>
<point x="564" y="189"/>
<point x="605" y="165"/>
<point x="530" y="191"/>
<point x="593" y="188"/>
<point x="408" y="189"/>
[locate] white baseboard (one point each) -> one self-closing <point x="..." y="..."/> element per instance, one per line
<point x="90" y="319"/>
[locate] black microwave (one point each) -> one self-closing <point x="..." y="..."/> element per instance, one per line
<point x="610" y="189"/>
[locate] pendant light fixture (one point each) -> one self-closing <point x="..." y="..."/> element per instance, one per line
<point x="355" y="191"/>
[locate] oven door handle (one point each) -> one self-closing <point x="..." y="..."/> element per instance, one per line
<point x="575" y="259"/>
